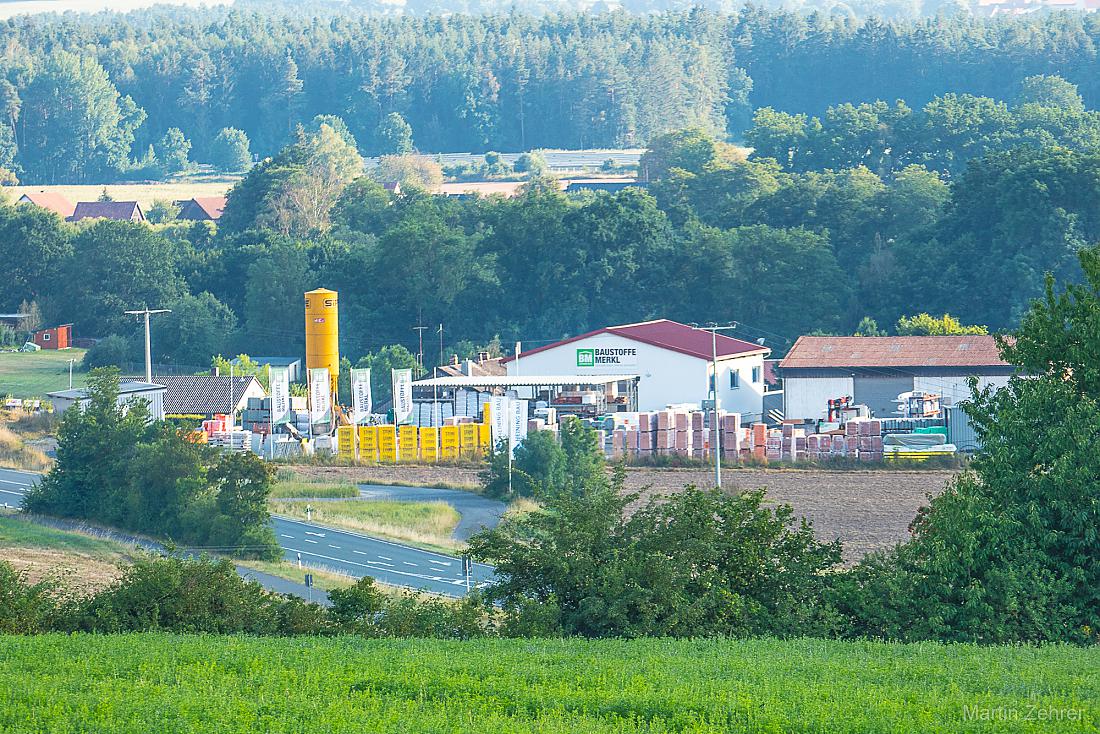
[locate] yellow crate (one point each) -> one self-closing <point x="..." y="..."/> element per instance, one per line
<point x="387" y="456"/>
<point x="345" y="437"/>
<point x="387" y="439"/>
<point x="429" y="452"/>
<point x="484" y="435"/>
<point x="486" y="413"/>
<point x="429" y="437"/>
<point x="448" y="452"/>
<point x="449" y="438"/>
<point x="368" y="454"/>
<point x="467" y="435"/>
<point x="368" y="438"/>
<point x="406" y="437"/>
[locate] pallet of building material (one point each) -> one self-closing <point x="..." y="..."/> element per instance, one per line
<point x="647" y="422"/>
<point x="698" y="421"/>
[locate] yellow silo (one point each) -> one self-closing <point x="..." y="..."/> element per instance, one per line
<point x="323" y="333"/>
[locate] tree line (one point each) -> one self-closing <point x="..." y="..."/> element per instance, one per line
<point x="93" y="99"/>
<point x="716" y="237"/>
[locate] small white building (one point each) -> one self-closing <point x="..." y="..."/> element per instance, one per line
<point x="671" y="360"/>
<point x="129" y="391"/>
<point x="873" y="371"/>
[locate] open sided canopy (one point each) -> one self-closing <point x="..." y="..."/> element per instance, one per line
<point x="523" y="380"/>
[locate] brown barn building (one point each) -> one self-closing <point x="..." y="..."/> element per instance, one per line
<point x="55" y="337"/>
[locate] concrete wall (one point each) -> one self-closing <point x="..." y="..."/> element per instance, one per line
<point x="666" y="376"/>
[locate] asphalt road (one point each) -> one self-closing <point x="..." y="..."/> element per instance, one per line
<point x="340" y="550"/>
<point x="477" y="512"/>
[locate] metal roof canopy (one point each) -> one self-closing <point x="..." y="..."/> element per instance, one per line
<point x="126" y="387"/>
<point x="524" y="380"/>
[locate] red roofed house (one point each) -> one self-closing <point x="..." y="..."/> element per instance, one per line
<point x="48" y="200"/>
<point x="672" y="360"/>
<point x="55" y="337"/>
<point x="874" y="370"/>
<point x="202" y="208"/>
<point x="125" y="211"/>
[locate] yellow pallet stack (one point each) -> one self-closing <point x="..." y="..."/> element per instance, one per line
<point x="429" y="444"/>
<point x="368" y="443"/>
<point x="449" y="442"/>
<point x="407" y="443"/>
<point x="387" y="444"/>
<point x="485" y="437"/>
<point x="467" y="439"/>
<point x="345" y="441"/>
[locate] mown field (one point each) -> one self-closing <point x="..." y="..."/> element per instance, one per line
<point x="151" y="682"/>
<point x="33" y="374"/>
<point x="143" y="193"/>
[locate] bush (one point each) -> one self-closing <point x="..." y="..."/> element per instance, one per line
<point x="110" y="351"/>
<point x="229" y="150"/>
<point x="25" y="608"/>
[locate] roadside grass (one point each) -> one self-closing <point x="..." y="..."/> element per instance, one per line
<point x="305" y="489"/>
<point x="463" y="486"/>
<point x="323" y="578"/>
<point x="79" y="562"/>
<point x="15" y="454"/>
<point x="426" y="525"/>
<point x="33" y="374"/>
<point x="521" y="506"/>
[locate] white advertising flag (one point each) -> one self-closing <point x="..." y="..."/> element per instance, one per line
<point x="499" y="419"/>
<point x="360" y="395"/>
<point x="402" y="395"/>
<point x="320" y="402"/>
<point x="279" y="378"/>
<point x="517" y="431"/>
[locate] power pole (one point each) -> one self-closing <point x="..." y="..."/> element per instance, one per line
<point x="714" y="328"/>
<point x="419" y="329"/>
<point x="148" y="346"/>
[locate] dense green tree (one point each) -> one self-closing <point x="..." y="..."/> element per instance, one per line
<point x="197" y="328"/>
<point x="173" y="152"/>
<point x="381" y="363"/>
<point x="115" y="267"/>
<point x="74" y="126"/>
<point x="229" y="151"/>
<point x="925" y="325"/>
<point x="394" y="135"/>
<point x="33" y="246"/>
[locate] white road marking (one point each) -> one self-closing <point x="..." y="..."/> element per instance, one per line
<point x="8" y="491"/>
<point x="17" y="484"/>
<point x="438" y="563"/>
<point x="318" y="535"/>
<point x="370" y="565"/>
<point x="359" y="552"/>
<point x="409" y="564"/>
<point x="287" y="536"/>
<point x="379" y="563"/>
<point x="385" y="558"/>
<point x="334" y="546"/>
<point x="310" y="541"/>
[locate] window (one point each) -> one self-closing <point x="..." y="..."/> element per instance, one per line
<point x="735" y="379"/>
<point x="46" y="336"/>
<point x="756" y="374"/>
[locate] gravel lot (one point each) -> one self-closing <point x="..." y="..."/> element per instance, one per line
<point x="867" y="510"/>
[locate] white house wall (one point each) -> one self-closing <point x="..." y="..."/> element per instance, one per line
<point x="748" y="399"/>
<point x="667" y="376"/>
<point x="808" y="397"/>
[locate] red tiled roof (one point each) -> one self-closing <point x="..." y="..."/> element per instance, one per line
<point x="893" y="351"/>
<point x="211" y="205"/>
<point x="49" y="200"/>
<point x="666" y="334"/>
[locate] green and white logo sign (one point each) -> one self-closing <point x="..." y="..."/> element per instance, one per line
<point x="607" y="357"/>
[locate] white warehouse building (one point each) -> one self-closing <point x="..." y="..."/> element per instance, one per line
<point x="873" y="371"/>
<point x="671" y="360"/>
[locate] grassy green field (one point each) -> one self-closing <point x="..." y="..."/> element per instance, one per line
<point x="299" y="488"/>
<point x="33" y="374"/>
<point x="17" y="532"/>
<point x="424" y="524"/>
<point x="150" y="682"/>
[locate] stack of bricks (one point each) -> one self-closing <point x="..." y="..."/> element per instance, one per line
<point x="870" y="441"/>
<point x="647" y="426"/>
<point x="700" y="439"/>
<point x="731" y="436"/>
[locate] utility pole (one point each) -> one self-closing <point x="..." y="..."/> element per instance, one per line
<point x="148" y="347"/>
<point x="714" y="328"/>
<point x="71" y="361"/>
<point x="419" y="329"/>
